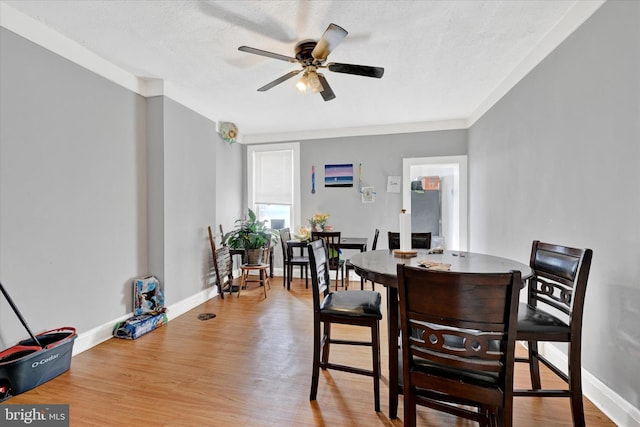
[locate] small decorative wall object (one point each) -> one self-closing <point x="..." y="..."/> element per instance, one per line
<point x="368" y="195"/>
<point x="313" y="180"/>
<point x="340" y="175"/>
<point x="393" y="184"/>
<point x="228" y="131"/>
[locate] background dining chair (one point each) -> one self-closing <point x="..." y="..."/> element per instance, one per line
<point x="458" y="342"/>
<point x="359" y="308"/>
<point x="291" y="259"/>
<point x="418" y="240"/>
<point x="262" y="269"/>
<point x="348" y="266"/>
<point x="559" y="285"/>
<point x="332" y="240"/>
<point x="222" y="264"/>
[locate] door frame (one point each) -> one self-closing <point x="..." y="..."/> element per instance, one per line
<point x="459" y="200"/>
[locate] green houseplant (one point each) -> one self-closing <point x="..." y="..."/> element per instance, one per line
<point x="251" y="235"/>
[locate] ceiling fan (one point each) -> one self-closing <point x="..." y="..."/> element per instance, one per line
<point x="311" y="55"/>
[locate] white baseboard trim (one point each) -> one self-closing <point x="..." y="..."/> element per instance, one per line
<point x="621" y="412"/>
<point x="99" y="334"/>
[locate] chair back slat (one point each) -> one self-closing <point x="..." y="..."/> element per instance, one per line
<point x="560" y="277"/>
<point x="285" y="236"/>
<point x="375" y="240"/>
<point x="418" y="240"/>
<point x="460" y="326"/>
<point x="332" y="243"/>
<point x="318" y="257"/>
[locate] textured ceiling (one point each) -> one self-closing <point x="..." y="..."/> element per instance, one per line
<point x="443" y="60"/>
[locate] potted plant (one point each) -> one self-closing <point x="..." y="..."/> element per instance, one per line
<point x="252" y="236"/>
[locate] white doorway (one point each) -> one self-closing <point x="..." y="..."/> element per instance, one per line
<point x="452" y="171"/>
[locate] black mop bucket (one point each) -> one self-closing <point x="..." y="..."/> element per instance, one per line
<point x="35" y="360"/>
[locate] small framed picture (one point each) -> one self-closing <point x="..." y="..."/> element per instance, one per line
<point x="393" y="184"/>
<point x="368" y="195"/>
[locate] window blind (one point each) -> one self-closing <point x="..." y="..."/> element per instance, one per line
<point x="273" y="177"/>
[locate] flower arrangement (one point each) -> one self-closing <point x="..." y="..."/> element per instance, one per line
<point x="303" y="234"/>
<point x="318" y="221"/>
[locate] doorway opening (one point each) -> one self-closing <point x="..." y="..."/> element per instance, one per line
<point x="452" y="174"/>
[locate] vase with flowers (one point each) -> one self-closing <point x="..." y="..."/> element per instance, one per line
<point x="318" y="221"/>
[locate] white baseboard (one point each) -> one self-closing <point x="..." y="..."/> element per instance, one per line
<point x="621" y="412"/>
<point x="95" y="336"/>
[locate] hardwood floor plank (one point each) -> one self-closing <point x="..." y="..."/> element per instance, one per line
<point x="248" y="366"/>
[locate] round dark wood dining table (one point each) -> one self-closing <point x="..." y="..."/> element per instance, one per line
<point x="381" y="267"/>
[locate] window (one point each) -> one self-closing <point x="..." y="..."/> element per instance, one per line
<point x="273" y="184"/>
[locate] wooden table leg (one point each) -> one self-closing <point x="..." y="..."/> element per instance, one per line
<point x="392" y="328"/>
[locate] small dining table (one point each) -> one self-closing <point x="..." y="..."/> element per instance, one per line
<point x="381" y="267"/>
<point x="356" y="243"/>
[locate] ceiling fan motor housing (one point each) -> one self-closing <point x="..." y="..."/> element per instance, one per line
<point x="303" y="51"/>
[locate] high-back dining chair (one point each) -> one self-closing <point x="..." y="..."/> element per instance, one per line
<point x="223" y="265"/>
<point x="418" y="240"/>
<point x="359" y="308"/>
<point x="332" y="240"/>
<point x="291" y="259"/>
<point x="558" y="286"/>
<point x="458" y="342"/>
<point x="348" y="266"/>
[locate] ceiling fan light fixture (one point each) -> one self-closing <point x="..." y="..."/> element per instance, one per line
<point x="302" y="83"/>
<point x="314" y="82"/>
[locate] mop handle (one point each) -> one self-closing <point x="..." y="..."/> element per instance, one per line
<point x="17" y="312"/>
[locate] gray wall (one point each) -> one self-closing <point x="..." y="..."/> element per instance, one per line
<point x="98" y="186"/>
<point x="72" y="191"/>
<point x="381" y="156"/>
<point x="557" y="160"/>
<point x="188" y="191"/>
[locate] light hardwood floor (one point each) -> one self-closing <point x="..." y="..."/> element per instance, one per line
<point x="248" y="366"/>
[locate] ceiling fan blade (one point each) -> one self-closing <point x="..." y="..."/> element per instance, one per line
<point x="331" y="38"/>
<point x="360" y="70"/>
<point x="267" y="54"/>
<point x="327" y="93"/>
<point x="278" y="81"/>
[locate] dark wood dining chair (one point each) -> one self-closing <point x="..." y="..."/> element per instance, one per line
<point x="558" y="286"/>
<point x="348" y="266"/>
<point x="291" y="259"/>
<point x="332" y="240"/>
<point x="418" y="240"/>
<point x="458" y="343"/>
<point x="222" y="264"/>
<point x="359" y="308"/>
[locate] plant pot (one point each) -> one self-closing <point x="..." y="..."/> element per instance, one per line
<point x="253" y="256"/>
